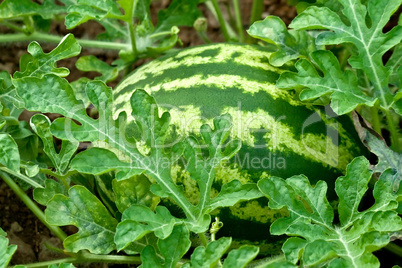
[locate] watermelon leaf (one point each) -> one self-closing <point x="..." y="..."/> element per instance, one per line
<point x="40" y="63"/>
<point x="290" y="44"/>
<point x="342" y="86"/>
<point x="369" y="40"/>
<point x="92" y="63"/>
<point x="360" y="232"/>
<point x="83" y="210"/>
<point x="41" y="126"/>
<point x="172" y="249"/>
<point x="6" y="251"/>
<point x="10" y="156"/>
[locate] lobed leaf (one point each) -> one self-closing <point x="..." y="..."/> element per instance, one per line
<point x="360" y="232"/>
<point x="341" y="86"/>
<point x="52" y="187"/>
<point x="290" y="45"/>
<point x="139" y="220"/>
<point x="39" y="63"/>
<point x="368" y="38"/>
<point x="92" y="63"/>
<point x="40" y="124"/>
<point x="83" y="210"/>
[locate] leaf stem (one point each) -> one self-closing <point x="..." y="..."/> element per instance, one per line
<point x="394" y="248"/>
<point x="239" y="22"/>
<point x="203" y="239"/>
<point x="37" y="36"/>
<point x="32" y="206"/>
<point x="375" y="119"/>
<point x="13" y="26"/>
<point x="392" y="129"/>
<point x="132" y="38"/>
<point x="21" y="177"/>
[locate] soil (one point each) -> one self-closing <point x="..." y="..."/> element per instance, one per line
<point x="23" y="228"/>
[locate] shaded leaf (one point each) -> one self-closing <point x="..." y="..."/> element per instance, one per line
<point x="134" y="191"/>
<point x="41" y="126"/>
<point x="92" y="63"/>
<point x="52" y="187"/>
<point x="208" y="256"/>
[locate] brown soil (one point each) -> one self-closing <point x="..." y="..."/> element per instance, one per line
<point x="23" y="228"/>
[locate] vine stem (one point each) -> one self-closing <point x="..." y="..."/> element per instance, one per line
<point x="86" y="257"/>
<point x="36" y="36"/>
<point x="32" y="206"/>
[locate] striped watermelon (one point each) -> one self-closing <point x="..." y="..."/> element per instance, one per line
<point x="281" y="136"/>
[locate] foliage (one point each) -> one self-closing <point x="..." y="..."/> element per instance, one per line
<point x="320" y="74"/>
<point x="112" y="190"/>
<point x="311" y="217"/>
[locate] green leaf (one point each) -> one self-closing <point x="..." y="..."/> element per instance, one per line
<point x="179" y="13"/>
<point x="205" y="257"/>
<point x="83" y="210"/>
<point x="293" y="249"/>
<point x="233" y="192"/>
<point x="44" y="195"/>
<point x="12" y="9"/>
<point x="92" y="63"/>
<point x="290" y="44"/>
<point x="86" y="10"/>
<point x="360" y="232"/>
<point x="387" y="158"/>
<point x="175" y="245"/>
<point x="369" y="39"/>
<point x="172" y="249"/>
<point x="134" y="191"/>
<point x="41" y="63"/>
<point x="6" y="251"/>
<point x="342" y="86"/>
<point x="41" y="126"/>
<point x="8" y="94"/>
<point x="241" y="256"/>
<point x="130" y="229"/>
<point x="10" y="156"/>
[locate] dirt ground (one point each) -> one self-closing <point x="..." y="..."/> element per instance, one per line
<point x="23" y="228"/>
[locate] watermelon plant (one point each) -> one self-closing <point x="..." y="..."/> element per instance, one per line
<point x="221" y="155"/>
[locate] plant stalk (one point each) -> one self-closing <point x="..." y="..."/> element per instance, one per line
<point x="392" y="247"/>
<point x="36" y="36"/>
<point x="32" y="206"/>
<point x="239" y="21"/>
<point x="393" y="130"/>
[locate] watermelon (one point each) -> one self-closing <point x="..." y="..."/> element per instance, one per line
<point x="281" y="136"/>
